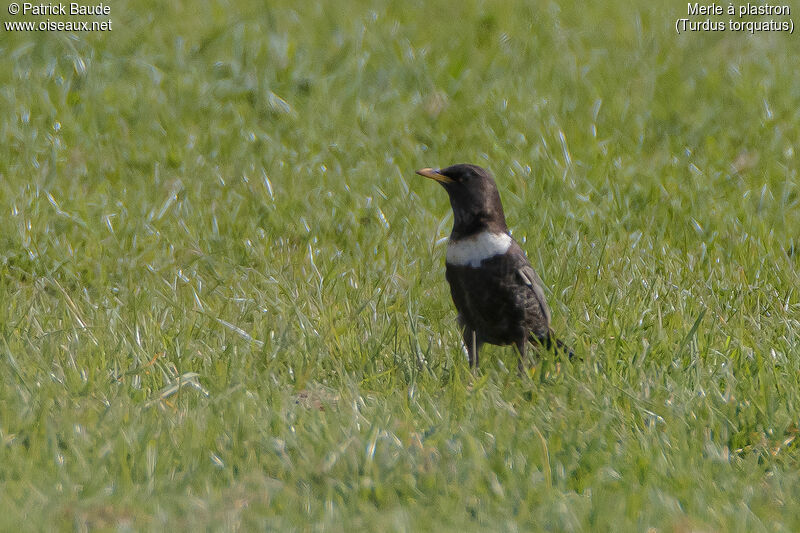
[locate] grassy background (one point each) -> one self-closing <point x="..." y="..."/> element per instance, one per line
<point x="223" y="287"/>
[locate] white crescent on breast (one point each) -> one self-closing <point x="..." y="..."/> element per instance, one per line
<point x="473" y="250"/>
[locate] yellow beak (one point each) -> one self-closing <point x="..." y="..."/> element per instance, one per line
<point x="434" y="175"/>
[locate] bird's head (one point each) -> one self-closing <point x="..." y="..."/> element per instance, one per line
<point x="473" y="197"/>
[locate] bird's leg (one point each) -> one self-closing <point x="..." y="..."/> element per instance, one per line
<point x="473" y="346"/>
<point x="521" y="349"/>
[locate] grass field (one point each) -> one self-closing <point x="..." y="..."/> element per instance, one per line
<point x="223" y="295"/>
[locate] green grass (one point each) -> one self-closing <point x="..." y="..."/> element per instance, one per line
<point x="222" y="286"/>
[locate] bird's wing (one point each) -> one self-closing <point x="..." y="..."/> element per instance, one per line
<point x="530" y="278"/>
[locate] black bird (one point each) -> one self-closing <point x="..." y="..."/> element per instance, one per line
<point x="498" y="294"/>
